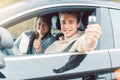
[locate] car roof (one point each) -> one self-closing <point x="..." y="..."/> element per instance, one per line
<point x="25" y="5"/>
<point x="29" y="5"/>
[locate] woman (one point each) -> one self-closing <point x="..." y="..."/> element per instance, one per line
<point x="42" y="38"/>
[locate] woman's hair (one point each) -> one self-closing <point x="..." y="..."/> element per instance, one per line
<point x="47" y="20"/>
<point x="34" y="35"/>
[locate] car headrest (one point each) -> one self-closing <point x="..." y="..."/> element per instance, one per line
<point x="6" y="40"/>
<point x="55" y="23"/>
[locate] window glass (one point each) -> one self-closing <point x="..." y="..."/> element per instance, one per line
<point x="115" y="17"/>
<point x="17" y="29"/>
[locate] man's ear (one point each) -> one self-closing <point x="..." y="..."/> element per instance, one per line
<point x="78" y="24"/>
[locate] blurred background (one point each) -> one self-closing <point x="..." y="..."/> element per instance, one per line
<point x="21" y="27"/>
<point x="26" y="25"/>
<point x="4" y="3"/>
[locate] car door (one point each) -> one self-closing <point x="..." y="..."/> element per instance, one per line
<point x="94" y="65"/>
<point x="58" y="66"/>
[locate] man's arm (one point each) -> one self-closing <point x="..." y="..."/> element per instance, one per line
<point x="89" y="40"/>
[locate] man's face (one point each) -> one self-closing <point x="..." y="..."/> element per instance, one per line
<point x="42" y="27"/>
<point x="69" y="25"/>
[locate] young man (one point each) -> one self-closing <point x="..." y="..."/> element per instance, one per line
<point x="70" y="22"/>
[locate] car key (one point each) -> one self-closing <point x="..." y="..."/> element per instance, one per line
<point x="92" y="19"/>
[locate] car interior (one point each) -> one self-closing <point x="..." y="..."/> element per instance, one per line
<point x="6" y="41"/>
<point x="55" y="30"/>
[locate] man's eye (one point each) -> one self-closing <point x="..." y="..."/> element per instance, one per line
<point x="70" y="22"/>
<point x="63" y="23"/>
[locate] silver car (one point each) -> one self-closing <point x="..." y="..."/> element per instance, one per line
<point x="100" y="64"/>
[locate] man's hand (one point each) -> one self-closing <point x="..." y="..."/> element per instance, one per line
<point x="92" y="34"/>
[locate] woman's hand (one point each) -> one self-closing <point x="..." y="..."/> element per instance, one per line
<point x="37" y="45"/>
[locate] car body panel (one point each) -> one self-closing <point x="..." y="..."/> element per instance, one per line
<point x="42" y="66"/>
<point x="106" y="30"/>
<point x="34" y="6"/>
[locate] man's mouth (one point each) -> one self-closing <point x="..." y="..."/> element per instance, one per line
<point x="67" y="31"/>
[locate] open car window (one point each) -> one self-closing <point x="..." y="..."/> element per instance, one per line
<point x="28" y="25"/>
<point x="17" y="29"/>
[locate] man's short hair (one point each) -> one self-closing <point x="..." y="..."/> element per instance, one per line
<point x="76" y="13"/>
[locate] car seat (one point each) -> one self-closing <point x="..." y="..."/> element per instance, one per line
<point x="21" y="43"/>
<point x="6" y="42"/>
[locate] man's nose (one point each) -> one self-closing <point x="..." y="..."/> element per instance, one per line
<point x="66" y="26"/>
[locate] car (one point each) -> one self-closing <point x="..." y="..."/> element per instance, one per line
<point x="100" y="64"/>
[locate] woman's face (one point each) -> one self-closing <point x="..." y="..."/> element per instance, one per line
<point x="42" y="27"/>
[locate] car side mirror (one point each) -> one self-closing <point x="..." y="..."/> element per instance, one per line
<point x="6" y="40"/>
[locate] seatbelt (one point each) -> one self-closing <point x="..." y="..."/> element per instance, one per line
<point x="73" y="61"/>
<point x="69" y="47"/>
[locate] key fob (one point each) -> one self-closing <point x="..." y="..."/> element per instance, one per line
<point x="92" y="19"/>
